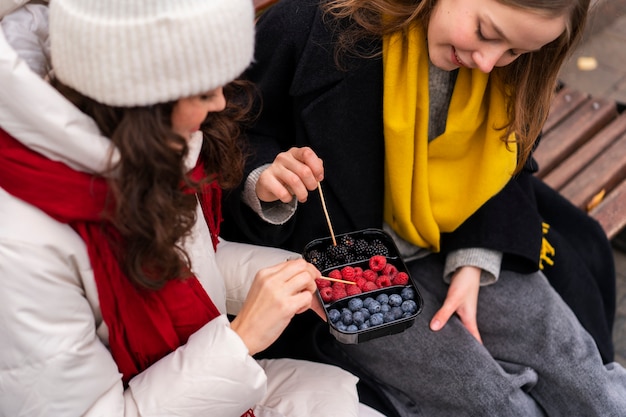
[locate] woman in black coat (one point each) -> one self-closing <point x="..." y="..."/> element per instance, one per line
<point x="319" y="106"/>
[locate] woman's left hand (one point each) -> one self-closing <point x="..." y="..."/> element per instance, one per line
<point x="462" y="299"/>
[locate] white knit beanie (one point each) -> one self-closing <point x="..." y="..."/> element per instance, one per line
<point x="142" y="52"/>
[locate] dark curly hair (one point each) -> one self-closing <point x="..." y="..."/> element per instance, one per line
<point x="153" y="213"/>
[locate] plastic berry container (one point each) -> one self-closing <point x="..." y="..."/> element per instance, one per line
<point x="355" y="250"/>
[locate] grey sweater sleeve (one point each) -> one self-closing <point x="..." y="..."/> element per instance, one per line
<point x="489" y="261"/>
<point x="275" y="212"/>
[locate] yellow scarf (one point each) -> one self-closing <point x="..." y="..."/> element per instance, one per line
<point x="433" y="187"/>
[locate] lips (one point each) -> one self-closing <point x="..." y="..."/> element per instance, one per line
<point x="456" y="60"/>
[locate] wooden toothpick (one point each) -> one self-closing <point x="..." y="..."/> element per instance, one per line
<point x="338" y="280"/>
<point x="330" y="226"/>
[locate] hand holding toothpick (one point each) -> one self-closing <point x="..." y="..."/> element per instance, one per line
<point x="330" y="226"/>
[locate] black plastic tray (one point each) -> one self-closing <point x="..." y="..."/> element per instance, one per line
<point x="393" y="257"/>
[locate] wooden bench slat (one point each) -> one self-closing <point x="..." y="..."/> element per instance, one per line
<point x="610" y="213"/>
<point x="605" y="172"/>
<point x="569" y="168"/>
<point x="573" y="132"/>
<point x="565" y="101"/>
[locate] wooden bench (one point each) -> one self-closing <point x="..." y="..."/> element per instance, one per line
<point x="583" y="155"/>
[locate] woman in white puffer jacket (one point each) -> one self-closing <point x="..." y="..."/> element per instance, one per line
<point x="77" y="331"/>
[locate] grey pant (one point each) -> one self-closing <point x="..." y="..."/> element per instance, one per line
<point x="536" y="359"/>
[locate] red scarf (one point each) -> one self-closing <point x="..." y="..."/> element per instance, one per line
<point x="143" y="325"/>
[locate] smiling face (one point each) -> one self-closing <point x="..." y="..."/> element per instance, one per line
<point x="188" y="113"/>
<point x="485" y="34"/>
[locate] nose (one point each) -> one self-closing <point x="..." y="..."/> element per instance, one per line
<point x="219" y="103"/>
<point x="486" y="58"/>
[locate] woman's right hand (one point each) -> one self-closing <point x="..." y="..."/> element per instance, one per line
<point x="293" y="173"/>
<point x="276" y="295"/>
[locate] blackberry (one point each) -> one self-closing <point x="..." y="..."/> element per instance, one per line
<point x="347" y="241"/>
<point x="377" y="247"/>
<point x="360" y="249"/>
<point x="338" y="254"/>
<point x="318" y="259"/>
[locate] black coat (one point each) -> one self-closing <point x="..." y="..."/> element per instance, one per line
<point x="307" y="100"/>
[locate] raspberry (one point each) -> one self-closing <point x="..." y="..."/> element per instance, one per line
<point x="360" y="282"/>
<point x="377" y="263"/>
<point x="339" y="285"/>
<point x="402" y="278"/>
<point x="335" y="273"/>
<point x="358" y="271"/>
<point x="347" y="273"/>
<point x="322" y="283"/>
<point x="353" y="290"/>
<point x="383" y="281"/>
<point x="327" y="294"/>
<point x="390" y="270"/>
<point x="369" y="286"/>
<point x="370" y="275"/>
<point x="338" y="293"/>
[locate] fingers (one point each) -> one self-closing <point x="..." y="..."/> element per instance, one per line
<point x="293" y="173"/>
<point x="276" y="295"/>
<point x="462" y="299"/>
<point x="442" y="316"/>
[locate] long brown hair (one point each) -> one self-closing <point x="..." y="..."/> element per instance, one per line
<point x="153" y="213"/>
<point x="530" y="80"/>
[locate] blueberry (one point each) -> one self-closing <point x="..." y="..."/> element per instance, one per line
<point x="341" y="326"/>
<point x="397" y="312"/>
<point x="355" y="304"/>
<point x="382" y="298"/>
<point x="376" y="319"/>
<point x="365" y="325"/>
<point x="388" y="317"/>
<point x="358" y="318"/>
<point x="409" y="306"/>
<point x="367" y="302"/>
<point x="352" y="328"/>
<point x="374" y="307"/>
<point x="408" y="293"/>
<point x="346" y="316"/>
<point x="366" y="313"/>
<point x="334" y="315"/>
<point x="395" y="300"/>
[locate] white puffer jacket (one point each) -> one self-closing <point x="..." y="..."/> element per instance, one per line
<point x="53" y="345"/>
